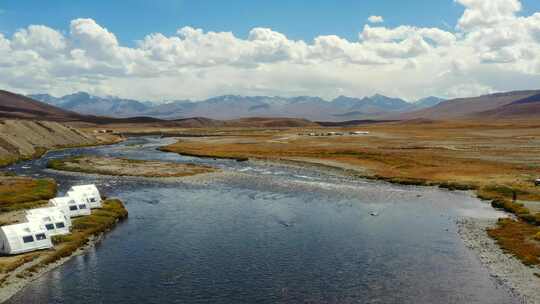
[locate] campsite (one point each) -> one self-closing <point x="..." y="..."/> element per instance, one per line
<point x="43" y="223"/>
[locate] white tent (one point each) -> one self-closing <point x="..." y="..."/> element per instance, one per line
<point x="71" y="207"/>
<point x="53" y="219"/>
<point x="88" y="193"/>
<point x="25" y="237"/>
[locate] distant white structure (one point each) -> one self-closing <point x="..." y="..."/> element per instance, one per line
<point x="87" y="193"/>
<point x="53" y="219"/>
<point x="537" y="182"/>
<point x="359" y="133"/>
<point x="70" y="206"/>
<point x="25" y="237"/>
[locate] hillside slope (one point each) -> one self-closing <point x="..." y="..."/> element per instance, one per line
<point x="18" y="106"/>
<point x="467" y="107"/>
<point x="528" y="107"/>
<point x="24" y="138"/>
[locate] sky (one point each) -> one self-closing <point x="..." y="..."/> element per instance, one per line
<point x="180" y="49"/>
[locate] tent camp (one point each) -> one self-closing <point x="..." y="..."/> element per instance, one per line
<point x="25" y="237"/>
<point x="52" y="219"/>
<point x="88" y="193"/>
<point x="70" y="206"/>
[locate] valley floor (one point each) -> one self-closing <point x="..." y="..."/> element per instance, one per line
<point x="499" y="160"/>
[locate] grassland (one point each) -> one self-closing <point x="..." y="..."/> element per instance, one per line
<point x="17" y="193"/>
<point x="497" y="160"/>
<point x="126" y="167"/>
<point x="518" y="238"/>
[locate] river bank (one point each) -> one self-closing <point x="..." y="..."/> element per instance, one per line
<point x="24" y="140"/>
<point x="504" y="267"/>
<point x="522" y="280"/>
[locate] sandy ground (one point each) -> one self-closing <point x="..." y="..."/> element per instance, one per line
<point x="505" y="269"/>
<point x="20" y="138"/>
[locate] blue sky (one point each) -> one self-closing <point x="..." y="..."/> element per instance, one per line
<point x="300" y="19"/>
<point x="178" y="49"/>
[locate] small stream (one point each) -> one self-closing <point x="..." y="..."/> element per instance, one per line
<point x="268" y="234"/>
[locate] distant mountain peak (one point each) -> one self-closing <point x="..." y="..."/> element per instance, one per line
<point x="232" y="106"/>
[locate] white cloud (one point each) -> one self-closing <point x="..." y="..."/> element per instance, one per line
<point x="39" y="38"/>
<point x="491" y="49"/>
<point x="375" y="19"/>
<point x="480" y="13"/>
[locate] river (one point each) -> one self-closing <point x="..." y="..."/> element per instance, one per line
<point x="263" y="233"/>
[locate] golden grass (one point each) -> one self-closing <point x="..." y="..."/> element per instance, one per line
<point x="519" y="239"/>
<point x="23" y="193"/>
<point x="8" y="264"/>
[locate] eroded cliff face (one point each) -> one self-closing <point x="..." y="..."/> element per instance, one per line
<point x="21" y="139"/>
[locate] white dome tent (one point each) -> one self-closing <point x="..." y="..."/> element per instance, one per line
<point x="53" y="219"/>
<point x="88" y="193"/>
<point x="25" y="237"/>
<point x="70" y="206"/>
<point x="43" y="223"/>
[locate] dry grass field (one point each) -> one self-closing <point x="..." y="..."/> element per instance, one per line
<point x="18" y="193"/>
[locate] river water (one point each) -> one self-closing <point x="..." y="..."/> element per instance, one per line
<point x="266" y="233"/>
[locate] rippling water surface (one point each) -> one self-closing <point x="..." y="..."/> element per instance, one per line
<point x="269" y="234"/>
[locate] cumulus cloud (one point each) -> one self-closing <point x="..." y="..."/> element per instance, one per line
<point x="481" y="13"/>
<point x="491" y="49"/>
<point x="375" y="19"/>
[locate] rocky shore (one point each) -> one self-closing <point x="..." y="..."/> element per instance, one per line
<point x="507" y="270"/>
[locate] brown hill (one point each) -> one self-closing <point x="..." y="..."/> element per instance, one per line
<point x="21" y="107"/>
<point x="18" y="106"/>
<point x="467" y="107"/>
<point x="251" y="122"/>
<point x="25" y="138"/>
<point x="528" y="107"/>
<point x="270" y="122"/>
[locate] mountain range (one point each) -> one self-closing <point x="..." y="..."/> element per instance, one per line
<point x="233" y="107"/>
<point x="217" y="111"/>
<point x="16" y="106"/>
